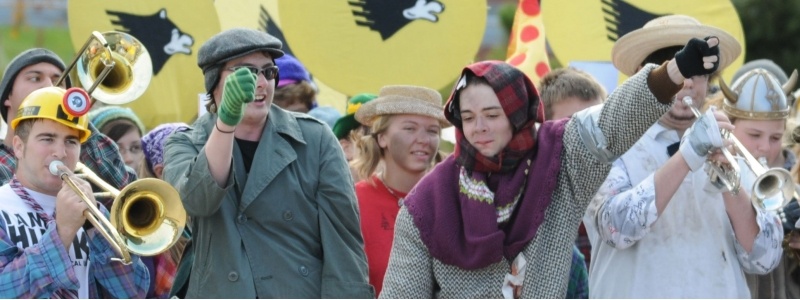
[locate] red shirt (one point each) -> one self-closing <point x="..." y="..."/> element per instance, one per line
<point x="378" y="209"/>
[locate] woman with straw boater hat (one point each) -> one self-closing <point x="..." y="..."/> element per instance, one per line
<point x="658" y="225"/>
<point x="499" y="217"/>
<point x="758" y="105"/>
<point x="405" y="124"/>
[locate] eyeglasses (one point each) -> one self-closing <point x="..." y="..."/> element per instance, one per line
<point x="270" y="72"/>
<point x="133" y="149"/>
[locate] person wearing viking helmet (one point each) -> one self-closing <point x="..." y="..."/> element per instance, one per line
<point x="758" y="106"/>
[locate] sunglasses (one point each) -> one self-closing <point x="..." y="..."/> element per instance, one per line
<point x="270" y="72"/>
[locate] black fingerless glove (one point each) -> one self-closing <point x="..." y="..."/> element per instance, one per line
<point x="690" y="58"/>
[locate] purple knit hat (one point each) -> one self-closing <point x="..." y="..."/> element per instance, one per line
<point x="291" y="70"/>
<point x="153" y="142"/>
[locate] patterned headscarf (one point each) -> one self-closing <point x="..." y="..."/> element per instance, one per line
<point x="469" y="219"/>
<point x="520" y="102"/>
<point x="153" y="142"/>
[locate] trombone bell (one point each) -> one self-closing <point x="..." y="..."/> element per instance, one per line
<point x="115" y="67"/>
<point x="147" y="216"/>
<point x="150" y="215"/>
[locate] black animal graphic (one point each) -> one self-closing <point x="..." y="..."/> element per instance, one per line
<point x="622" y="17"/>
<point x="267" y="25"/>
<point x="159" y="34"/>
<point x="388" y="17"/>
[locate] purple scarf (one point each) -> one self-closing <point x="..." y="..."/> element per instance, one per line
<point x="462" y="231"/>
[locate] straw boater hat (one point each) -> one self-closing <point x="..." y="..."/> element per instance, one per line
<point x="674" y="30"/>
<point x="401" y="100"/>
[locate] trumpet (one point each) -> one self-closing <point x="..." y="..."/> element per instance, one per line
<point x="771" y="189"/>
<point x="114" y="65"/>
<point x="147" y="216"/>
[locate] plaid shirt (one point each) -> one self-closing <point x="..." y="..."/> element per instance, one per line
<point x="39" y="270"/>
<point x="99" y="153"/>
<point x="578" y="277"/>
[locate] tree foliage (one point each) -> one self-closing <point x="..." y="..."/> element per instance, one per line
<point x="771" y="30"/>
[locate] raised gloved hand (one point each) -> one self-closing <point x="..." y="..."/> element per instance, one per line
<point x="698" y="57"/>
<point x="239" y="89"/>
<point x="702" y="137"/>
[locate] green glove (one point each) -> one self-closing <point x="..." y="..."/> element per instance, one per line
<point x="239" y="89"/>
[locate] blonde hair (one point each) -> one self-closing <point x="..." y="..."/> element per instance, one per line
<point x="370" y="152"/>
<point x="563" y="83"/>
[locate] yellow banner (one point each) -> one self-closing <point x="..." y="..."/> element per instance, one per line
<point x="361" y="46"/>
<point x="585" y="30"/>
<point x="172" y="32"/>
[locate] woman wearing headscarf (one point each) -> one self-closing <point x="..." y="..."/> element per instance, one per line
<point x="499" y="217"/>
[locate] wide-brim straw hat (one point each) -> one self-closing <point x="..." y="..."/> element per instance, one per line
<point x="403" y="100"/>
<point x="674" y="30"/>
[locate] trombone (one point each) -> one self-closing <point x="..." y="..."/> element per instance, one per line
<point x="768" y="183"/>
<point x="147" y="216"/>
<point x="114" y="65"/>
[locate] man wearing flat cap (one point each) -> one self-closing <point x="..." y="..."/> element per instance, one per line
<point x="274" y="213"/>
<point x="660" y="227"/>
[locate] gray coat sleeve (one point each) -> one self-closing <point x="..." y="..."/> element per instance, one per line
<point x="186" y="168"/>
<point x="625" y="116"/>
<point x="344" y="270"/>
<point x="410" y="270"/>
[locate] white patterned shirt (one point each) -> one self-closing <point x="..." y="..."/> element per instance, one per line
<point x="689" y="251"/>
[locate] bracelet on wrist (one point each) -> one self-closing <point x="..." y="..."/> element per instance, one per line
<point x="216" y="125"/>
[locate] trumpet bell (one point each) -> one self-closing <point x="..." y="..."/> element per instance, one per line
<point x="131" y="72"/>
<point x="150" y="216"/>
<point x="773" y="189"/>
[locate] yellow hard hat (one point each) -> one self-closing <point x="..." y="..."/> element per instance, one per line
<point x="67" y="107"/>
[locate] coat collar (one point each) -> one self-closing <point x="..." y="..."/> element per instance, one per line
<point x="283" y="122"/>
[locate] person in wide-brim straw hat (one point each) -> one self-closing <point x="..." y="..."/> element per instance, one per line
<point x="669" y="31"/>
<point x="403" y="99"/>
<point x="405" y="126"/>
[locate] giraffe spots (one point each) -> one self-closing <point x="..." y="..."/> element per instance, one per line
<point x="542" y="68"/>
<point x="530" y="7"/>
<point x="529" y="33"/>
<point x="517" y="60"/>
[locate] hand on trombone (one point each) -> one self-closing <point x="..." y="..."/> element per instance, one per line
<point x="70" y="207"/>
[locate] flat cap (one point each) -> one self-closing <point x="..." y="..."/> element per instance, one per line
<point x="231" y="44"/>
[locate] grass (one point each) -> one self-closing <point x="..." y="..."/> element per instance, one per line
<point x="12" y="42"/>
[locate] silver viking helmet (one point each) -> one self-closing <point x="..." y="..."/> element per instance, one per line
<point x="757" y="95"/>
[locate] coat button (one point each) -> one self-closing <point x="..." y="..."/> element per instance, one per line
<point x="242" y="219"/>
<point x="233" y="276"/>
<point x="304" y="271"/>
<point x="287" y="215"/>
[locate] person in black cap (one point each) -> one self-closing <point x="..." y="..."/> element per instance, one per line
<point x="38" y="68"/>
<point x="273" y="209"/>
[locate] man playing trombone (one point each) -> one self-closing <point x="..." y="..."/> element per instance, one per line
<point x="37" y="68"/>
<point x="659" y="228"/>
<point x="45" y="250"/>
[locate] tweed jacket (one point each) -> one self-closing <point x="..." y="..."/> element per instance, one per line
<point x="630" y="110"/>
<point x="288" y="229"/>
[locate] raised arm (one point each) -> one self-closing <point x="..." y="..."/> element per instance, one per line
<point x="187" y="169"/>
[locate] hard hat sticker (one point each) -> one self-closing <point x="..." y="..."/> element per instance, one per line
<point x="76" y="102"/>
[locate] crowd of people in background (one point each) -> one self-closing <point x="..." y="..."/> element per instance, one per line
<point x="560" y="191"/>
